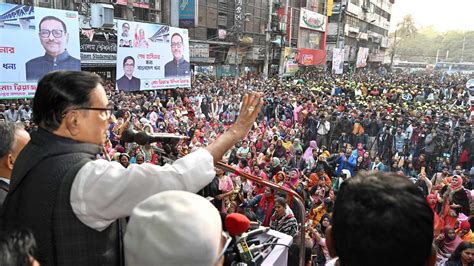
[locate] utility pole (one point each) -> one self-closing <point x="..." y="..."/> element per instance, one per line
<point x="239" y="18"/>
<point x="267" y="40"/>
<point x="282" y="42"/>
<point x="239" y="36"/>
<point x="129" y="11"/>
<point x="339" y="26"/>
<point x="463" y="46"/>
<point x="437" y="56"/>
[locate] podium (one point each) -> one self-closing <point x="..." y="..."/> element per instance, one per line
<point x="278" y="255"/>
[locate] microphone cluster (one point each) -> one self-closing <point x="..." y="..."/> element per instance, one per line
<point x="245" y="247"/>
<point x="168" y="141"/>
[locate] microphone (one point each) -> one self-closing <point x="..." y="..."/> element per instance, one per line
<point x="128" y="135"/>
<point x="143" y="138"/>
<point x="258" y="231"/>
<point x="236" y="224"/>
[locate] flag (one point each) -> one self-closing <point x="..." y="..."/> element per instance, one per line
<point x="329" y="10"/>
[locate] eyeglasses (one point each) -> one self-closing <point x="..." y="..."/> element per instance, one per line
<point x="228" y="240"/>
<point x="47" y="33"/>
<point x="108" y="111"/>
<point x="176" y="45"/>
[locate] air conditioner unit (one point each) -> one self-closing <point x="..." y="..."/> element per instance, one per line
<point x="102" y="16"/>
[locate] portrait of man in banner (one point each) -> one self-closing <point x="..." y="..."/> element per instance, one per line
<point x="54" y="37"/>
<point x="178" y="67"/>
<point x="128" y="82"/>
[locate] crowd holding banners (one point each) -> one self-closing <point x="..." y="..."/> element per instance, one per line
<point x="321" y="129"/>
<point x="33" y="42"/>
<point x="158" y="57"/>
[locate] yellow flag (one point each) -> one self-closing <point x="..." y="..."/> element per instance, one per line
<point x="329" y="13"/>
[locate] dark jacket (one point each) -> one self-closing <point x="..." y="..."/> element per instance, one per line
<point x="3" y="191"/>
<point x="126" y="84"/>
<point x="177" y="69"/>
<point x="38" y="67"/>
<point x="39" y="199"/>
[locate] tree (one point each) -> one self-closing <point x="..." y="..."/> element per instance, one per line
<point x="405" y="30"/>
<point x="427" y="43"/>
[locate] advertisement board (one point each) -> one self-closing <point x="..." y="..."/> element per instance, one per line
<point x="310" y="57"/>
<point x="291" y="60"/>
<point x="135" y="3"/>
<point x="152" y="56"/>
<point x="337" y="61"/>
<point x="33" y="42"/>
<point x="312" y="20"/>
<point x="98" y="53"/>
<point x="187" y="13"/>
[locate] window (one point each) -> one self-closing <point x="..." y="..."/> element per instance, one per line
<point x="256" y="25"/>
<point x="353" y="21"/>
<point x="142" y="14"/>
<point x="211" y="3"/>
<point x="118" y="11"/>
<point x="295" y="23"/>
<point x="310" y="39"/>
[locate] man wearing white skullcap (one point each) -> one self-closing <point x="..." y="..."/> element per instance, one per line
<point x="174" y="228"/>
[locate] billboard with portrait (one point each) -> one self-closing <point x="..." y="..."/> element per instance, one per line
<point x="152" y="56"/>
<point x="33" y="42"/>
<point x="291" y="60"/>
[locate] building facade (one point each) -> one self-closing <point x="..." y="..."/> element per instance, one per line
<point x="227" y="37"/>
<point x="356" y="25"/>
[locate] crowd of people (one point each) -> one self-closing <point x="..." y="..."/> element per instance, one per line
<point x="314" y="132"/>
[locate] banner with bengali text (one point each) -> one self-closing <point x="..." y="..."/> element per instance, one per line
<point x="152" y="56"/>
<point x="28" y="52"/>
<point x="362" y="56"/>
<point x="337" y="61"/>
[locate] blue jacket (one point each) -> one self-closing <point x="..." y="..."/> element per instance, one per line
<point x="349" y="165"/>
<point x="255" y="201"/>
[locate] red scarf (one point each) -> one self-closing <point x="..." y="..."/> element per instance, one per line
<point x="270" y="200"/>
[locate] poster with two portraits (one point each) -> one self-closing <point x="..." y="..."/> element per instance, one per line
<point x="33" y="42"/>
<point x="151" y="57"/>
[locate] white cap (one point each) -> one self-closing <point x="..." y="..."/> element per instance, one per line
<point x="173" y="228"/>
<point x="347" y="173"/>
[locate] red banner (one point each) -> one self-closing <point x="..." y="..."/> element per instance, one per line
<point x="281" y="15"/>
<point x="309" y="57"/>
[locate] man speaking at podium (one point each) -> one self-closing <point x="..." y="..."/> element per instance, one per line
<point x="72" y="201"/>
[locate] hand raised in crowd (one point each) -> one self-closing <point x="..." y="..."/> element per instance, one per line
<point x="251" y="105"/>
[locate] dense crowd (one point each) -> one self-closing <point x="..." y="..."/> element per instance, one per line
<point x="314" y="132"/>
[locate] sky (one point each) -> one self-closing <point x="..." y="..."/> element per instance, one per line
<point x="442" y="14"/>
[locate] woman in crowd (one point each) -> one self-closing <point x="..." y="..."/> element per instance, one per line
<point x="320" y="248"/>
<point x="309" y="151"/>
<point x="124" y="159"/>
<point x="18" y="248"/>
<point x="283" y="219"/>
<point x="446" y="243"/>
<point x="462" y="256"/>
<point x="226" y="189"/>
<point x="262" y="205"/>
